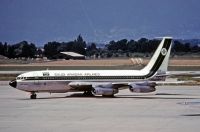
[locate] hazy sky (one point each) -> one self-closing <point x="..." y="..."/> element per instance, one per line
<point x="40" y="21"/>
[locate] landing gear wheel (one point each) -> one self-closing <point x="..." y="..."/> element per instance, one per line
<point x="33" y="96"/>
<point x="88" y="94"/>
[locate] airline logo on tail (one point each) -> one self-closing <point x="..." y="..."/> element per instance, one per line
<point x="164" y="51"/>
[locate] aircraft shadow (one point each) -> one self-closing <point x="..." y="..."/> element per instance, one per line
<point x="39" y="98"/>
<point x="168" y="94"/>
<point x="156" y="96"/>
<point x="76" y="95"/>
<point x="191" y="115"/>
<point x="140" y="97"/>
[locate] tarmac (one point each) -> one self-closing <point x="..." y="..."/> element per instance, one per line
<point x="169" y="109"/>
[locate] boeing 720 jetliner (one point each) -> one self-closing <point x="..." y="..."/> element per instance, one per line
<point x="97" y="82"/>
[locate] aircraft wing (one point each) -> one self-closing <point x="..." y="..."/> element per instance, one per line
<point x="111" y="88"/>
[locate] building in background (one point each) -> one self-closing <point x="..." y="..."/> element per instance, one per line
<point x="69" y="55"/>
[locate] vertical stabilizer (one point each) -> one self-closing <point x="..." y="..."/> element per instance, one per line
<point x="159" y="61"/>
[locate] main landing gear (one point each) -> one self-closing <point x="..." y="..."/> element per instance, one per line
<point x="88" y="94"/>
<point x="33" y="95"/>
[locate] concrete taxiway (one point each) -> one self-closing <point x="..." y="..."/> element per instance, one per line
<point x="170" y="109"/>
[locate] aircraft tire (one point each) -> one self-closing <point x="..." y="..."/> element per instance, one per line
<point x="88" y="94"/>
<point x="33" y="96"/>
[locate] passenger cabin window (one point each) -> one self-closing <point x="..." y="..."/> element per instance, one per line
<point x="45" y="74"/>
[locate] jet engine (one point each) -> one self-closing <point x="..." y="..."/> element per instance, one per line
<point x="104" y="91"/>
<point x="142" y="87"/>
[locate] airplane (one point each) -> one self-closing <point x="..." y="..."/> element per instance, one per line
<point x="106" y="83"/>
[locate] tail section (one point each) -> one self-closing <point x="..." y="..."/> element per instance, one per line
<point x="160" y="59"/>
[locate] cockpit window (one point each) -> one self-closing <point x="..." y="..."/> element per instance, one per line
<point x="19" y="78"/>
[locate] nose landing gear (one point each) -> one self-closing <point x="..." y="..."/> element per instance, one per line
<point x="33" y="95"/>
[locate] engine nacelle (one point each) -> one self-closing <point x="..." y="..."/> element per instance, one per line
<point x="135" y="88"/>
<point x="104" y="91"/>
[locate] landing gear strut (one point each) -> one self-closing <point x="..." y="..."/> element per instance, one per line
<point x="33" y="95"/>
<point x="88" y="94"/>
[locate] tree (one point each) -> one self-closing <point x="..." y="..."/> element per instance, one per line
<point x="119" y="45"/>
<point x="79" y="39"/>
<point x="187" y="47"/>
<point x="11" y="52"/>
<point x="79" y="46"/>
<point x="152" y="45"/>
<point x="122" y="44"/>
<point x="143" y="42"/>
<point x="131" y="46"/>
<point x="1" y="49"/>
<point x="178" y="47"/>
<point x="51" y="49"/>
<point x="91" y="49"/>
<point x="195" y="49"/>
<point x="5" y="49"/>
<point x="28" y="50"/>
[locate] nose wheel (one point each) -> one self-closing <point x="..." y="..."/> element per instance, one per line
<point x="33" y="95"/>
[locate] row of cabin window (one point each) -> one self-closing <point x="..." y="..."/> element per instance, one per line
<point x="83" y="77"/>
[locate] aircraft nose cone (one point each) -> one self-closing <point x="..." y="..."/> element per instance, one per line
<point x="13" y="83"/>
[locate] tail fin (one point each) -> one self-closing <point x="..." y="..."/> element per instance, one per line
<point x="160" y="59"/>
